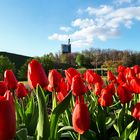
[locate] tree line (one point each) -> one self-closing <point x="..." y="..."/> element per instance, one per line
<point x="90" y="58"/>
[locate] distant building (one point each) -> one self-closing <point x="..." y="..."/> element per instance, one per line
<point x="66" y="48"/>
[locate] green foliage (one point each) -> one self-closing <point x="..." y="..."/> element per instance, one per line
<point x="46" y="62"/>
<point x="82" y="70"/>
<point x="111" y="65"/>
<point x="22" y="72"/>
<point x="5" y="63"/>
<point x="80" y="60"/>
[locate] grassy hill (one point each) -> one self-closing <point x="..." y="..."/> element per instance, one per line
<point x="19" y="60"/>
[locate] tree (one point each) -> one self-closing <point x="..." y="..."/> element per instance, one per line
<point x="5" y="63"/>
<point x="80" y="60"/>
<point x="22" y="72"/>
<point x="45" y="60"/>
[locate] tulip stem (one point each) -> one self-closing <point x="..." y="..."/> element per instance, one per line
<point x="79" y="136"/>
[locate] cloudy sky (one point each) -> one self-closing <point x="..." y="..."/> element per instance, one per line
<point x="37" y="27"/>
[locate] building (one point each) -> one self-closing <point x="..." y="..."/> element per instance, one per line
<point x="66" y="48"/>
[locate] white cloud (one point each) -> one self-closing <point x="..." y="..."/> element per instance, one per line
<point x="65" y="29"/>
<point x="59" y="37"/>
<point x="102" y="23"/>
<point x="82" y="23"/>
<point x="102" y="10"/>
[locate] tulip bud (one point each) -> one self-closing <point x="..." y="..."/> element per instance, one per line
<point x="111" y="77"/>
<point x="136" y="69"/>
<point x="105" y="98"/>
<point x="121" y="68"/>
<point x="136" y="111"/>
<point x="10" y="79"/>
<point x="36" y="74"/>
<point x="124" y="93"/>
<point x="3" y="88"/>
<point x="21" y="90"/>
<point x="80" y="118"/>
<point x="7" y="117"/>
<point x="78" y="87"/>
<point x="135" y="85"/>
<point x="54" y="79"/>
<point x="91" y="77"/>
<point x="70" y="73"/>
<point x="63" y="91"/>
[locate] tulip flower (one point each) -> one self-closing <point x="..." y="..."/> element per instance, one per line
<point x="91" y="77"/>
<point x="124" y="93"/>
<point x="3" y="88"/>
<point x="63" y="91"/>
<point x="10" y="80"/>
<point x="121" y="78"/>
<point x="136" y="111"/>
<point x="111" y="88"/>
<point x="135" y="85"/>
<point x="7" y="117"/>
<point x="121" y="68"/>
<point x="136" y="69"/>
<point x="105" y="98"/>
<point x="111" y="77"/>
<point x="129" y="74"/>
<point x="97" y="88"/>
<point x="78" y="87"/>
<point x="80" y="118"/>
<point x="70" y="73"/>
<point x="36" y="75"/>
<point x="21" y="90"/>
<point x="54" y="80"/>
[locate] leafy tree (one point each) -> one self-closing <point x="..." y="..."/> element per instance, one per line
<point x="5" y="63"/>
<point x="80" y="60"/>
<point x="22" y="72"/>
<point x="46" y="62"/>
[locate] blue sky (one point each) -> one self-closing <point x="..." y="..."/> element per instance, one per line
<point x="37" y="27"/>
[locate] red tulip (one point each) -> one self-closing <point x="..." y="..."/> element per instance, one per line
<point x="91" y="77"/>
<point x="105" y="98"/>
<point x="70" y="73"/>
<point x="124" y="93"/>
<point x="21" y="90"/>
<point x="135" y="85"/>
<point x="136" y="111"/>
<point x="63" y="91"/>
<point x="80" y="118"/>
<point x="36" y="74"/>
<point x="54" y="79"/>
<point x="111" y="88"/>
<point x="136" y="69"/>
<point x="97" y="88"/>
<point x="10" y="79"/>
<point x="78" y="87"/>
<point x="3" y="88"/>
<point x="7" y="117"/>
<point x="121" y="78"/>
<point x="121" y="68"/>
<point x="129" y="74"/>
<point x="111" y="77"/>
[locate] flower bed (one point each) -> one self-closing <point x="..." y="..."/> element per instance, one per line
<point x="77" y="106"/>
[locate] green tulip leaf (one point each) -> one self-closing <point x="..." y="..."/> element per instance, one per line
<point x="43" y="127"/>
<point x="133" y="135"/>
<point x="21" y="134"/>
<point x="66" y="128"/>
<point x="60" y="108"/>
<point x="127" y="131"/>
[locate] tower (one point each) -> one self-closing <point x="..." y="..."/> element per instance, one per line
<point x="66" y="48"/>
